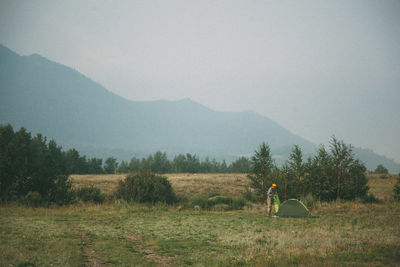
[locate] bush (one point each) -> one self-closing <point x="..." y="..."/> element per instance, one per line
<point x="61" y="191"/>
<point x="90" y="194"/>
<point x="308" y="200"/>
<point x="216" y="203"/>
<point x="146" y="186"/>
<point x="370" y="199"/>
<point x="381" y="169"/>
<point x="238" y="204"/>
<point x="33" y="199"/>
<point x="250" y="196"/>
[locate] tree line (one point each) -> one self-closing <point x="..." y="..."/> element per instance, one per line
<point x="157" y="162"/>
<point x="74" y="163"/>
<point x="182" y="163"/>
<point x="329" y="175"/>
<point x="33" y="167"/>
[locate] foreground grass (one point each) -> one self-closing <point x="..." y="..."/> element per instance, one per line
<point x="120" y="234"/>
<point x="139" y="235"/>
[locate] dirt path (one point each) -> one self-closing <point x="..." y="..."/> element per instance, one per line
<point x="88" y="251"/>
<point x="149" y="254"/>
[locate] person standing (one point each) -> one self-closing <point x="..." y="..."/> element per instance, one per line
<point x="270" y="198"/>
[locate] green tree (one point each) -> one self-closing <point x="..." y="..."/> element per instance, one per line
<point x="110" y="165"/>
<point x="348" y="173"/>
<point x="32" y="169"/>
<point x="192" y="163"/>
<point x="8" y="167"/>
<point x="160" y="163"/>
<point x="146" y="163"/>
<point x="179" y="164"/>
<point x="75" y="163"/>
<point x="241" y="165"/>
<point x="263" y="171"/>
<point x="23" y="162"/>
<point x="285" y="182"/>
<point x="186" y="163"/>
<point x="94" y="166"/>
<point x="205" y="166"/>
<point x="123" y="167"/>
<point x="318" y="177"/>
<point x="381" y="169"/>
<point x="295" y="169"/>
<point x="342" y="158"/>
<point x="134" y="165"/>
<point x="223" y="167"/>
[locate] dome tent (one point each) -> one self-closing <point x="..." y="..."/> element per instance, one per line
<point x="293" y="208"/>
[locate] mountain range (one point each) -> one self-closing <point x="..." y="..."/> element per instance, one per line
<point x="63" y="104"/>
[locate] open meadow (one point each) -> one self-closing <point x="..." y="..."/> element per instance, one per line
<point x="120" y="234"/>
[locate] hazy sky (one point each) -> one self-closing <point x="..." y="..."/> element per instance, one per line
<point x="316" y="67"/>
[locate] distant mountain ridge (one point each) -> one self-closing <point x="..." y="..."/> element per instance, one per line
<point x="61" y="103"/>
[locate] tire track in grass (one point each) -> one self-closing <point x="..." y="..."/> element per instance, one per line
<point x="150" y="255"/>
<point x="88" y="252"/>
<point x="91" y="258"/>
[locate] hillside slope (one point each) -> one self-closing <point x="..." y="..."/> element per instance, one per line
<point x="47" y="97"/>
<point x="61" y="103"/>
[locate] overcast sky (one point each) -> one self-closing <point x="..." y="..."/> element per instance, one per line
<point x="318" y="68"/>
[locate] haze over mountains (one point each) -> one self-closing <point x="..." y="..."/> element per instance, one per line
<point x="59" y="102"/>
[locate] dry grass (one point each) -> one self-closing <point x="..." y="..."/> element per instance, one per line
<point x="190" y="185"/>
<point x="185" y="185"/>
<point x="106" y="182"/>
<point x="225" y="184"/>
<point x="381" y="185"/>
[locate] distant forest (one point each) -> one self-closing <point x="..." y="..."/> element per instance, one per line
<point x="157" y="162"/>
<point x="73" y="163"/>
<point x="32" y="166"/>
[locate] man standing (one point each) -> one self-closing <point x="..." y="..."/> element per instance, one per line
<point x="270" y="196"/>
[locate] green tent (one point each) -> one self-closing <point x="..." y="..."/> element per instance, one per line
<point x="293" y="208"/>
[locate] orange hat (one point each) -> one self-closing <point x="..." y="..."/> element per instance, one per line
<point x="273" y="185"/>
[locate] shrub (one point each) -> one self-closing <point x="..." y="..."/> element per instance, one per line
<point x="146" y="186"/>
<point x="238" y="204"/>
<point x="308" y="200"/>
<point x="200" y="202"/>
<point x="33" y="199"/>
<point x="249" y="195"/>
<point x="61" y="191"/>
<point x="381" y="169"/>
<point x="90" y="194"/>
<point x="224" y="203"/>
<point x="370" y="199"/>
<point x="220" y="200"/>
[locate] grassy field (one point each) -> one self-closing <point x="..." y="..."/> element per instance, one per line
<point x="119" y="234"/>
<point x="185" y="185"/>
